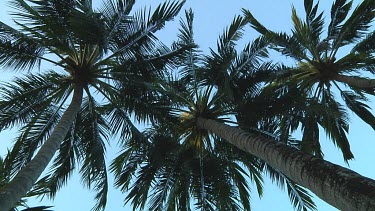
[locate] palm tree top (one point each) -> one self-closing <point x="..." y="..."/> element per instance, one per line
<point x="87" y="41"/>
<point x="204" y="104"/>
<point x="308" y="43"/>
<point x="105" y="52"/>
<point x="325" y="67"/>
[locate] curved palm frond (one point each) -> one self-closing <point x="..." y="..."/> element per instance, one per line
<point x="106" y="51"/>
<point x="299" y="196"/>
<point x="26" y="96"/>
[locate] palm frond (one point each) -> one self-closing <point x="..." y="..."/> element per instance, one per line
<point x="356" y="25"/>
<point x="89" y="28"/>
<point x="251" y="56"/>
<point x="168" y="172"/>
<point x="93" y="132"/>
<point x="254" y="23"/>
<point x="366" y="45"/>
<point x="46" y="21"/>
<point x="125" y="165"/>
<point x="140" y="188"/>
<point x="121" y="123"/>
<point x="310" y="139"/>
<point x="26" y="96"/>
<point x="138" y="35"/>
<point x="337" y="127"/>
<point x="31" y="138"/>
<point x="20" y="55"/>
<point x="299" y="197"/>
<point x="314" y="21"/>
<point x="308" y="32"/>
<point x="288" y="46"/>
<point x="353" y="101"/>
<point x="232" y="34"/>
<point x="354" y="62"/>
<point x="339" y="11"/>
<point x="117" y="15"/>
<point x="61" y="169"/>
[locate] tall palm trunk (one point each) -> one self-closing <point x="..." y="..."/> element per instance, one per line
<point x="355" y="81"/>
<point x="338" y="186"/>
<point x="25" y="179"/>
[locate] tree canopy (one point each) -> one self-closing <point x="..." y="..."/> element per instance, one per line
<point x="109" y="67"/>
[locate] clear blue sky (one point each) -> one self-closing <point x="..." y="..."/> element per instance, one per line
<point x="211" y="17"/>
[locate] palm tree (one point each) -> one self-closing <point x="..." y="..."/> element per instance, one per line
<point x="317" y="54"/>
<point x="166" y="168"/>
<point x="338" y="186"/>
<point x="330" y="182"/>
<point x="171" y="169"/>
<point x="95" y="53"/>
<point x="320" y="66"/>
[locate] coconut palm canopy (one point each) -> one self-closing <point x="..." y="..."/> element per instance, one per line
<point x="170" y="154"/>
<point x="330" y="59"/>
<point x="97" y="56"/>
<point x="178" y="166"/>
<point x="232" y="73"/>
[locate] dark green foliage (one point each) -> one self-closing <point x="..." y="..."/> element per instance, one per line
<point x="299" y="196"/>
<point x="176" y="163"/>
<point x="112" y="53"/>
<point x="117" y="58"/>
<point x="169" y="174"/>
<point x="314" y="78"/>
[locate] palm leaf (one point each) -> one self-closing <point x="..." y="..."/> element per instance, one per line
<point x="336" y="128"/>
<point x="139" y="32"/>
<point x="93" y="132"/>
<point x="339" y="12"/>
<point x="353" y="101"/>
<point x="31" y="138"/>
<point x="61" y="169"/>
<point x="20" y="55"/>
<point x="310" y="139"/>
<point x="25" y="97"/>
<point x="356" y="25"/>
<point x="40" y="208"/>
<point x="255" y="23"/>
<point x="117" y="15"/>
<point x="366" y="45"/>
<point x="300" y="197"/>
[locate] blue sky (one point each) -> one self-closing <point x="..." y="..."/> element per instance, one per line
<point x="211" y="17"/>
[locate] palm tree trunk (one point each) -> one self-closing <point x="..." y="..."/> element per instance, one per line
<point x="355" y="81"/>
<point x="338" y="186"/>
<point x="26" y="178"/>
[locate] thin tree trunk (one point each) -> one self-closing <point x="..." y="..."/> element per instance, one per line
<point x="355" y="81"/>
<point x="338" y="186"/>
<point x="26" y="178"/>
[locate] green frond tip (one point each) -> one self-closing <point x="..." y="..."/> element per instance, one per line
<point x="40" y="208"/>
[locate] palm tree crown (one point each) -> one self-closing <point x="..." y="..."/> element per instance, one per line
<point x="96" y="53"/>
<point x="323" y="66"/>
<point x="176" y="157"/>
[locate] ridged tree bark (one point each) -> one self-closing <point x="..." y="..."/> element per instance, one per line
<point x="355" y="81"/>
<point x="338" y="186"/>
<point x="26" y="178"/>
